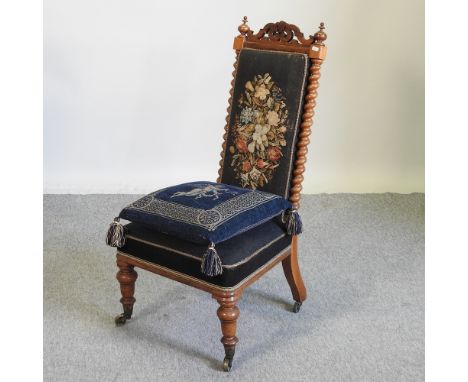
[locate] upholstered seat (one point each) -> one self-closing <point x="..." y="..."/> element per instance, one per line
<point x="242" y="256"/>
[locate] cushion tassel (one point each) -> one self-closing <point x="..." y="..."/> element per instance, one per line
<point x="211" y="264"/>
<point x="293" y="222"/>
<point x="116" y="234"/>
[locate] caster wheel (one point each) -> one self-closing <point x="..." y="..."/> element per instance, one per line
<point x="227" y="364"/>
<point x="120" y="319"/>
<point x="297" y="306"/>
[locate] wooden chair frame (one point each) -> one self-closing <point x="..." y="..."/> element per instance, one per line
<point x="279" y="36"/>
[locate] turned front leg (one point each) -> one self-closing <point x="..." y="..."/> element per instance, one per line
<point x="228" y="313"/>
<point x="126" y="277"/>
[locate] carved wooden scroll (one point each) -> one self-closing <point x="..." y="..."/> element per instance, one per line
<point x="283" y="32"/>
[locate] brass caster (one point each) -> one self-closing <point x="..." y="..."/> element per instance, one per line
<point x="227" y="364"/>
<point x="120" y="320"/>
<point x="297" y="306"/>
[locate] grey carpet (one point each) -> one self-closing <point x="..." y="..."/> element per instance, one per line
<point x="362" y="259"/>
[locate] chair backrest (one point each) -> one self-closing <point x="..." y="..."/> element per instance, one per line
<point x="271" y="108"/>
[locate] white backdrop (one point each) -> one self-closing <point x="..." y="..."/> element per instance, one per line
<point x="133" y="101"/>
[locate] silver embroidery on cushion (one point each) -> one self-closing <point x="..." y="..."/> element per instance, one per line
<point x="209" y="191"/>
<point x="209" y="219"/>
<point x="143" y="202"/>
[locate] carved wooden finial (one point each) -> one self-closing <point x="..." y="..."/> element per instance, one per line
<point x="244" y="28"/>
<point x="320" y="36"/>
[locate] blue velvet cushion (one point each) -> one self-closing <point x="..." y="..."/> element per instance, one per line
<point x="205" y="212"/>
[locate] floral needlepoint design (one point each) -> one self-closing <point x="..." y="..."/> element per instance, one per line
<point x="259" y="132"/>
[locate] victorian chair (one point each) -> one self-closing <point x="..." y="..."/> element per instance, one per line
<point x="270" y="112"/>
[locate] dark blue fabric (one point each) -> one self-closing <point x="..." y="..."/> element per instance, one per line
<point x="242" y="255"/>
<point x="203" y="212"/>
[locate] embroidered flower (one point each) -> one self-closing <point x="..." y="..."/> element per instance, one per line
<point x="274" y="153"/>
<point x="254" y="174"/>
<point x="259" y="138"/>
<point x="247" y="115"/>
<point x="261" y="163"/>
<point x="261" y="91"/>
<point x="273" y="118"/>
<point x="248" y="86"/>
<point x="246" y="166"/>
<point x="241" y="145"/>
<point x="277" y="95"/>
